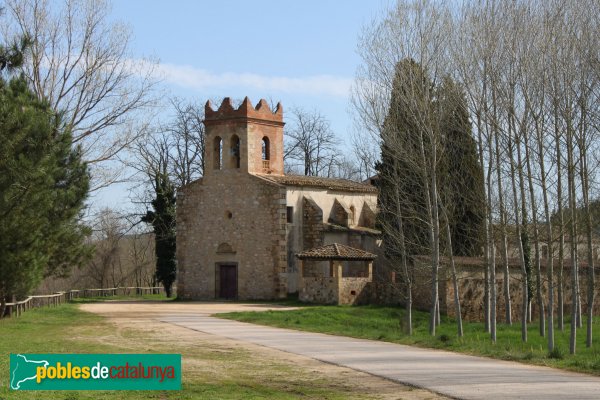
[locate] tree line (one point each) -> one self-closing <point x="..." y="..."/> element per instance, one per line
<point x="513" y="87"/>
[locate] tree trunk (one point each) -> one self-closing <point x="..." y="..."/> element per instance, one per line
<point x="549" y="239"/>
<point x="503" y="221"/>
<point x="490" y="253"/>
<point x="404" y="261"/>
<point x="561" y="222"/>
<point x="590" y="247"/>
<point x="459" y="326"/>
<point x="409" y="308"/>
<point x="520" y="246"/>
<point x="536" y="237"/>
<point x="2" y="306"/>
<point x="573" y="242"/>
<point x="434" y="228"/>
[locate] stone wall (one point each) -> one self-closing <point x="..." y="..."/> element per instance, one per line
<point x="246" y="213"/>
<point x="471" y="286"/>
<point x="320" y="290"/>
<point x="354" y="291"/>
<point x="335" y="288"/>
<point x="471" y="289"/>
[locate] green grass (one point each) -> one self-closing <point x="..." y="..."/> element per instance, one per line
<point x="387" y="324"/>
<point x="210" y="370"/>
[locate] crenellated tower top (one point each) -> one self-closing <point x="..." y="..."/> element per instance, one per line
<point x="245" y="139"/>
<point x="226" y="111"/>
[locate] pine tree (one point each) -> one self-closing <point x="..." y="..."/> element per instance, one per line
<point x="43" y="186"/>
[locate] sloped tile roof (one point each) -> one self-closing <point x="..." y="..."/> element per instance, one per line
<point x="336" y="251"/>
<point x="344" y="185"/>
<point x="329" y="227"/>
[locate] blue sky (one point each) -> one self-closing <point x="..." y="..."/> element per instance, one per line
<point x="302" y="53"/>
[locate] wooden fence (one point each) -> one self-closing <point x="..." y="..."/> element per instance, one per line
<point x="53" y="300"/>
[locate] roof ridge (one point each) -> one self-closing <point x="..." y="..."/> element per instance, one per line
<point x="336" y="251"/>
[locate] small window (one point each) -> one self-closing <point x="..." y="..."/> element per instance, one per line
<point x="266" y="149"/>
<point x="290" y="215"/>
<point x="352" y="215"/>
<point x="218" y="153"/>
<point x="235" y="151"/>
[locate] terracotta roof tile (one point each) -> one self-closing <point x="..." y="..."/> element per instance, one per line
<point x="317" y="181"/>
<point x="336" y="251"/>
<point x="356" y="229"/>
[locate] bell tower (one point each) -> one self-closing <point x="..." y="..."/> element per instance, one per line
<point x="247" y="139"/>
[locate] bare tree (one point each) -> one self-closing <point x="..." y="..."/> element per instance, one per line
<point x="531" y="75"/>
<point x="106" y="267"/>
<point x="186" y="132"/>
<point x="311" y="145"/>
<point x="142" y="259"/>
<point x="366" y="149"/>
<point x="404" y="60"/>
<point x="79" y="62"/>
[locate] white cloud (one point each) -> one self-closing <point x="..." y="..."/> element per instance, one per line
<point x="200" y="79"/>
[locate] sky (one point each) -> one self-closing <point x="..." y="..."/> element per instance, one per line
<point x="302" y="53"/>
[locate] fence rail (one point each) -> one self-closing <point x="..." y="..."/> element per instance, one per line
<point x="55" y="299"/>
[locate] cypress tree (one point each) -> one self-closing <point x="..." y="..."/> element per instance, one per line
<point x="460" y="175"/>
<point x="397" y="170"/>
<point x="163" y="223"/>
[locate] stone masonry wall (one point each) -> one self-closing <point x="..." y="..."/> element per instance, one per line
<point x="354" y="291"/>
<point x="233" y="207"/>
<point x="320" y="290"/>
<point x="471" y="289"/>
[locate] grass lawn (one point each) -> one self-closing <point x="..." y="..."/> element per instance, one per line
<point x="210" y="370"/>
<point x="385" y="323"/>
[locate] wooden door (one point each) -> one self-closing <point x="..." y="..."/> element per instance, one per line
<point x="228" y="281"/>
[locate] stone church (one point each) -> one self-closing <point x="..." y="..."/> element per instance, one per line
<point x="241" y="225"/>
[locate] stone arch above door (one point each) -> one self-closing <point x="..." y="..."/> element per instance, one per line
<point x="225" y="248"/>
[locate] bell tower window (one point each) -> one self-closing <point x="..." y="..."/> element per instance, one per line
<point x="218" y="153"/>
<point x="235" y="151"/>
<point x="266" y="149"/>
<point x="266" y="155"/>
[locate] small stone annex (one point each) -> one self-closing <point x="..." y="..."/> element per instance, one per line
<point x="335" y="287"/>
<point x="240" y="226"/>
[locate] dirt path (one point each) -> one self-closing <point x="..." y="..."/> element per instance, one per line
<point x="206" y="356"/>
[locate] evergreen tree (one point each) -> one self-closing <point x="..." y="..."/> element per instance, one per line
<point x="43" y="186"/>
<point x="400" y="175"/>
<point x="163" y="222"/>
<point x="462" y="176"/>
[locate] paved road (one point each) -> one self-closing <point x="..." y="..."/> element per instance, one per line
<point x="451" y="374"/>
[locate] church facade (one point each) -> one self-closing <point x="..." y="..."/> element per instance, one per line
<point x="240" y="226"/>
